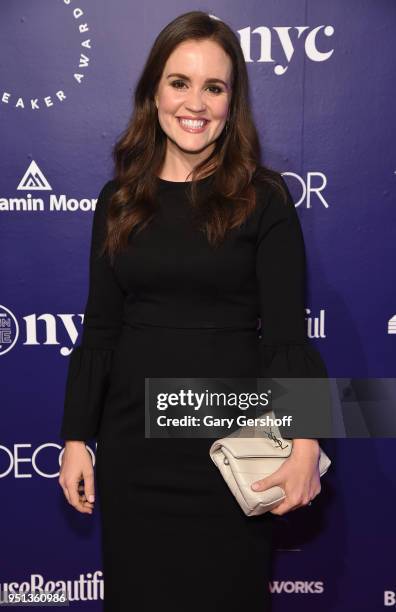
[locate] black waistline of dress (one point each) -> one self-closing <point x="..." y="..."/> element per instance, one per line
<point x="179" y="323"/>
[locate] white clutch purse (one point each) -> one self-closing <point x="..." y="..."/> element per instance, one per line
<point x="242" y="460"/>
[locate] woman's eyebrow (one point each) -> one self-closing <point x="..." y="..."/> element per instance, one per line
<point x="183" y="76"/>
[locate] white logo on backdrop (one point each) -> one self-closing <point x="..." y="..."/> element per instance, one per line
<point x="297" y="586"/>
<point x="312" y="190"/>
<point x="392" y="325"/>
<point x="79" y="37"/>
<point x="34" y="179"/>
<point x="287" y="42"/>
<point x="275" y="37"/>
<point x="390" y="598"/>
<point x="9" y="330"/>
<point x="316" y="325"/>
<point x="39" y="330"/>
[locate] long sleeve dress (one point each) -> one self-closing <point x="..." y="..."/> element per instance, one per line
<point x="173" y="536"/>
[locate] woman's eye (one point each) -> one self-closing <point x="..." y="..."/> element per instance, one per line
<point x="176" y="84"/>
<point x="219" y="89"/>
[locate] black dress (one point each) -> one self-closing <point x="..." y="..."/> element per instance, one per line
<point x="173" y="536"/>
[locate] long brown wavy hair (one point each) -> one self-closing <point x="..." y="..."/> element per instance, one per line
<point x="140" y="151"/>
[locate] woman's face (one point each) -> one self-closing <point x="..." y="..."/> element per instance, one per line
<point x="195" y="84"/>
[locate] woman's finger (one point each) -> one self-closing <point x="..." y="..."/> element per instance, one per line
<point x="284" y="506"/>
<point x="75" y="499"/>
<point x="89" y="485"/>
<point x="266" y="482"/>
<point x="66" y="493"/>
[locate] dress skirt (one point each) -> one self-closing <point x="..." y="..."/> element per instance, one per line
<point x="173" y="535"/>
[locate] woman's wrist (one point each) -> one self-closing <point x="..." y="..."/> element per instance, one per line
<point x="74" y="442"/>
<point x="305" y="445"/>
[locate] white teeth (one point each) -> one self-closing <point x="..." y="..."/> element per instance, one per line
<point x="192" y="123"/>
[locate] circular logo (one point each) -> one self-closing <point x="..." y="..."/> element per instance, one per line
<point x="9" y="330"/>
<point x="50" y="49"/>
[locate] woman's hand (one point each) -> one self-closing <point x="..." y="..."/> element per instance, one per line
<point x="298" y="476"/>
<point x="77" y="466"/>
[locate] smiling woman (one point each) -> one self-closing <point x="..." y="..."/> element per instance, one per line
<point x="180" y="272"/>
<point x="189" y="101"/>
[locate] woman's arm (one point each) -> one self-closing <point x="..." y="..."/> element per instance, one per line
<point x="285" y="350"/>
<point x="89" y="366"/>
<point x="90" y="362"/>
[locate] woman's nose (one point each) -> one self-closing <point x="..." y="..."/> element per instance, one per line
<point x="194" y="101"/>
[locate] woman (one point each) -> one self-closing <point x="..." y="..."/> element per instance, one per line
<point x="178" y="279"/>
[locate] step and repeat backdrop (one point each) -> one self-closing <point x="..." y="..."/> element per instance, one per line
<point x="322" y="88"/>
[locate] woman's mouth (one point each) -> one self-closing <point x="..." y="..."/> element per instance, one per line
<point x="194" y="126"/>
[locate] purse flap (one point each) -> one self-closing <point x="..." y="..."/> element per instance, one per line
<point x="242" y="448"/>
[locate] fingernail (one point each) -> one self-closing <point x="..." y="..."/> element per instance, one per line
<point x="91" y="498"/>
<point x="255" y="486"/>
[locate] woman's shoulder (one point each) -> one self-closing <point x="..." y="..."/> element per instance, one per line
<point x="106" y="192"/>
<point x="109" y="187"/>
<point x="102" y="202"/>
<point x="272" y="192"/>
<point x="270" y="183"/>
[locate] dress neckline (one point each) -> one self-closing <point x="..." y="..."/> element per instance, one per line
<point x="182" y="184"/>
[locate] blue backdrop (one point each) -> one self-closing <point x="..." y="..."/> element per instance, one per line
<point x="322" y="86"/>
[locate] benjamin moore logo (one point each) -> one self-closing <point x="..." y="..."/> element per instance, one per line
<point x="34" y="179"/>
<point x="69" y="28"/>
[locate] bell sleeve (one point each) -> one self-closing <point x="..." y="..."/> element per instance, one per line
<point x="284" y="349"/>
<point x="90" y="363"/>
